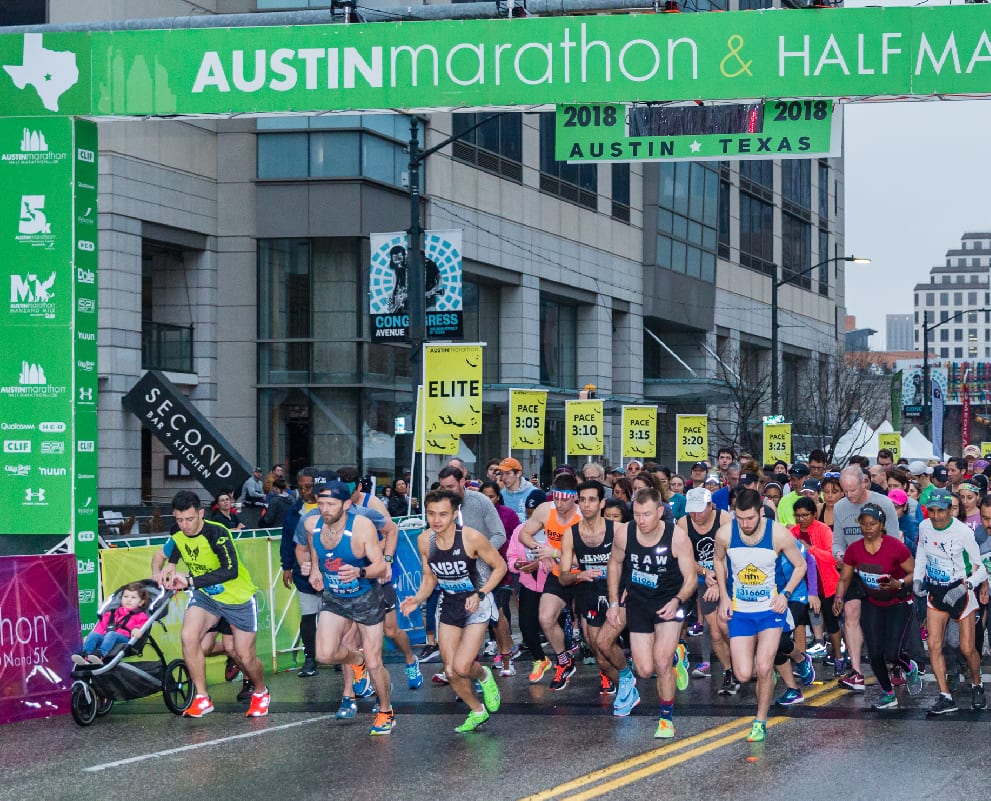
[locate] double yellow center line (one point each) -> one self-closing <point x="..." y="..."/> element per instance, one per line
<point x="642" y="766"/>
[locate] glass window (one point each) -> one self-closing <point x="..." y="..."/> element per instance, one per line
<point x="824" y="268"/>
<point x="930" y="298"/>
<point x="823" y="189"/>
<point x="796" y="181"/>
<point x="944" y="335"/>
<point x="958" y="298"/>
<point x="756" y="232"/>
<point x="724" y="219"/>
<point x="944" y="298"/>
<point x="334" y="155"/>
<point x="577" y="183"/>
<point x="796" y="250"/>
<point x="283" y="155"/>
<point x="23" y="12"/>
<point x="687" y="218"/>
<point x="558" y="344"/>
<point x="958" y="353"/>
<point x="621" y="183"/>
<point x="971" y="298"/>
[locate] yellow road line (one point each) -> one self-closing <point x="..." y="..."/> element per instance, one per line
<point x="693" y="746"/>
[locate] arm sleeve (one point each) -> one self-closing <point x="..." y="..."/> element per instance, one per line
<point x="811" y="574"/>
<point x="171" y="551"/>
<point x="222" y="544"/>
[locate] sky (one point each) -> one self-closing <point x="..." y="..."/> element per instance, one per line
<point x="917" y="177"/>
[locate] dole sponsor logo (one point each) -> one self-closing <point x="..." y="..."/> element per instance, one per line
<point x="86" y="446"/>
<point x="32" y="296"/>
<point x="32" y="383"/>
<point x="52" y="448"/>
<point x="84" y="154"/>
<point x="51" y="427"/>
<point x="33" y="149"/>
<point x="84" y="276"/>
<point x="18" y="470"/>
<point x="17" y="446"/>
<point x="34" y="497"/>
<point x="33" y="227"/>
<point x="85" y="567"/>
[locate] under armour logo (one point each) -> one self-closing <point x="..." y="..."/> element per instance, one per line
<point x="34" y="495"/>
<point x="86" y="394"/>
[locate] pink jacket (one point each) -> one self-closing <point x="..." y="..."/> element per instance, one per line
<point x="135" y="621"/>
<point x="516" y="552"/>
<point x="820" y="545"/>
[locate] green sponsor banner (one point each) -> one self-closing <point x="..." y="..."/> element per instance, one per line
<point x="772" y="53"/>
<point x="778" y="129"/>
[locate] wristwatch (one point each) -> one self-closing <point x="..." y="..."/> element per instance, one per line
<point x="787" y="594"/>
<point x="480" y="594"/>
<point x="388" y="558"/>
<point x="361" y="573"/>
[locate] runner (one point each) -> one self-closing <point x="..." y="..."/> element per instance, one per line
<point x="345" y="548"/>
<point x="554" y="518"/>
<point x="883" y="564"/>
<point x="588" y="544"/>
<point x="948" y="568"/>
<point x="747" y="550"/>
<point x="221" y="589"/>
<point x="463" y="563"/>
<point x="652" y="562"/>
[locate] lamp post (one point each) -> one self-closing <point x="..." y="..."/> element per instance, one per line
<point x="926" y="389"/>
<point x="776" y="283"/>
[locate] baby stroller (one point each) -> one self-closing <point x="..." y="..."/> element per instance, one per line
<point x="96" y="687"/>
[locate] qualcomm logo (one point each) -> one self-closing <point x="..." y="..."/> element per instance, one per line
<point x="35" y="497"/>
<point x="32" y="296"/>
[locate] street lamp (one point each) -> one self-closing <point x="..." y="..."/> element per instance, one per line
<point x="775" y="285"/>
<point x="926" y="389"/>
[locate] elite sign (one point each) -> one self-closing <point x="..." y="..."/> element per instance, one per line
<point x="537" y="61"/>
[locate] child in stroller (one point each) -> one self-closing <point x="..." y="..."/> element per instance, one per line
<point x="116" y="626"/>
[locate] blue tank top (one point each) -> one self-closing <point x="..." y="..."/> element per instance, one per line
<point x="341" y="554"/>
<point x="753" y="570"/>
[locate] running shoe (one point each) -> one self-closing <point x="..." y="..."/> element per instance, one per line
<point x="80" y="658"/>
<point x="539" y="669"/>
<point x="758" y="732"/>
<point x="703" y="670"/>
<point x="790" y="698"/>
<point x="440" y="678"/>
<point x="664" y="730"/>
<point x="942" y="706"/>
<point x="606" y="685"/>
<point x="231" y="669"/>
<point x="202" y="705"/>
<point x="384" y="723"/>
<point x="414" y="678"/>
<point x="839" y="667"/>
<point x="472" y="722"/>
<point x="977" y="700"/>
<point x="491" y="696"/>
<point x="247" y="688"/>
<point x="348" y="708"/>
<point x="258" y="708"/>
<point x="897" y="677"/>
<point x="805" y="671"/>
<point x="730" y="685"/>
<point x="695" y="630"/>
<point x="681" y="668"/>
<point x="625" y="704"/>
<point x="508" y="669"/>
<point x="588" y="658"/>
<point x="562" y="673"/>
<point x="429" y="653"/>
<point x="500" y="659"/>
<point x="886" y="701"/>
<point x="309" y="668"/>
<point x="95" y="658"/>
<point x="913" y="679"/>
<point x="490" y="648"/>
<point x="817" y="651"/>
<point x="362" y="682"/>
<point x="853" y="680"/>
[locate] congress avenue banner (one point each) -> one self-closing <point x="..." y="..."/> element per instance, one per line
<point x="616" y="58"/>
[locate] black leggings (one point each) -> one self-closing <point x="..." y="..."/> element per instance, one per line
<point x="530" y="622"/>
<point x="886" y="632"/>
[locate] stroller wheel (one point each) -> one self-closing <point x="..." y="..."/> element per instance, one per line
<point x="177" y="687"/>
<point x="103" y="706"/>
<point x="84" y="704"/>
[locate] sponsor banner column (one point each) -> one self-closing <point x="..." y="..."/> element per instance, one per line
<point x="84" y="361"/>
<point x="36" y="322"/>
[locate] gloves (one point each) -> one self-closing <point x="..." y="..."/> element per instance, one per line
<point x="954" y="594"/>
<point x="919" y="588"/>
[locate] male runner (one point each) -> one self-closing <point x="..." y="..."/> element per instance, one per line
<point x="588" y="544"/>
<point x="652" y="562"/>
<point x="747" y="549"/>
<point x="345" y="550"/>
<point x="554" y="518"/>
<point x="222" y="589"/>
<point x="948" y="568"/>
<point x="463" y="563"/>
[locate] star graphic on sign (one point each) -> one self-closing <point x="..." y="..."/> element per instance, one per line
<point x="696" y="146"/>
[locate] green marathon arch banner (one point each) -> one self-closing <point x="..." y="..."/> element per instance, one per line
<point x="532" y="61"/>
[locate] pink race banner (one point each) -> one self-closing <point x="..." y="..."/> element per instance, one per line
<point x="39" y="630"/>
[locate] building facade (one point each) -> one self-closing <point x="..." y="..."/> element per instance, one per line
<point x="234" y="255"/>
<point x="898" y="332"/>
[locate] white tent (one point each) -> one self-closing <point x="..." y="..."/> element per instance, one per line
<point x="916" y="446"/>
<point x="872" y="446"/>
<point x="853" y="441"/>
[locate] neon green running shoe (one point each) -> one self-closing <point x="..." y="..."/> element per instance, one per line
<point x="680" y="671"/>
<point x="472" y="722"/>
<point x="491" y="696"/>
<point x="665" y="729"/>
<point x="758" y="731"/>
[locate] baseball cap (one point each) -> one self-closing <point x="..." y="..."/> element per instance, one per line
<point x="697" y="499"/>
<point x="972" y="450"/>
<point x="713" y="478"/>
<point x="939" y="499"/>
<point x="873" y="510"/>
<point x="636" y="462"/>
<point x="323" y="476"/>
<point x="700" y="466"/>
<point x="939" y="473"/>
<point x="799" y="469"/>
<point x="898" y="496"/>
<point x="257" y="470"/>
<point x="811" y="485"/>
<point x="535" y="498"/>
<point x="509" y="463"/>
<point x="748" y="478"/>
<point x="336" y="489"/>
<point x="918" y="467"/>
